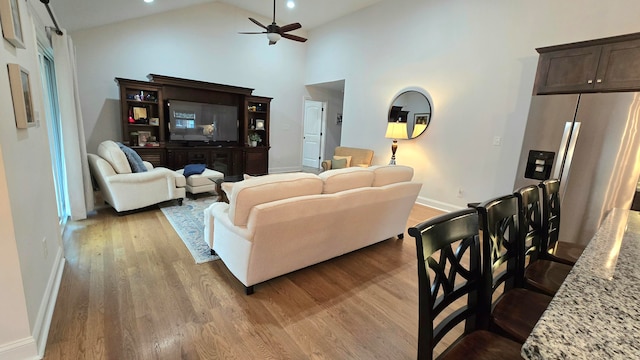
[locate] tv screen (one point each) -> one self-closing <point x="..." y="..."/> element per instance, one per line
<point x="192" y="121"/>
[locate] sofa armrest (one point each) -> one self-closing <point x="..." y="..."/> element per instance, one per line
<point x="326" y="165"/>
<point x="144" y="177"/>
<point x="218" y="213"/>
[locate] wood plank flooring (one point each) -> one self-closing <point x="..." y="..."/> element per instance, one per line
<point x="131" y="290"/>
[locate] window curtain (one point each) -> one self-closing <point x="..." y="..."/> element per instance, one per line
<point x="79" y="189"/>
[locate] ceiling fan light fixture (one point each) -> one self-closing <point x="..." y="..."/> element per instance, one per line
<point x="273" y="37"/>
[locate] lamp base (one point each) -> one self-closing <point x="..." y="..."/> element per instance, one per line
<point x="394" y="147"/>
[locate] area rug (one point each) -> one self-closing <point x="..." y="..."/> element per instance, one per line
<point x="188" y="222"/>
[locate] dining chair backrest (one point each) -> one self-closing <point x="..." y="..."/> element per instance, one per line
<point x="530" y="225"/>
<point x="500" y="260"/>
<point x="550" y="214"/>
<point x="441" y="244"/>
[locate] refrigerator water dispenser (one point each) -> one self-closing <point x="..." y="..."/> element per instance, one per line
<point x="539" y="165"/>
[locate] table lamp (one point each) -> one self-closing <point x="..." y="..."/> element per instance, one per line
<point x="395" y="131"/>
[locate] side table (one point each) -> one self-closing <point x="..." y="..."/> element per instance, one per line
<point x="222" y="196"/>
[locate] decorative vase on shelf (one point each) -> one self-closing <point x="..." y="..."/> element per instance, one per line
<point x="254" y="143"/>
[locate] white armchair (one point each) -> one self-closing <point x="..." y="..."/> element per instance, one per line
<point x="126" y="190"/>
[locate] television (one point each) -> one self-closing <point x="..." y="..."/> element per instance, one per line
<point x="194" y="122"/>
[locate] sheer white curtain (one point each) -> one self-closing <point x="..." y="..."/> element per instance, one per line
<point x="79" y="189"/>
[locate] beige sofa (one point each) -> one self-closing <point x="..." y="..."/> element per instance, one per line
<point x="276" y="224"/>
<point x="126" y="190"/>
<point x="358" y="157"/>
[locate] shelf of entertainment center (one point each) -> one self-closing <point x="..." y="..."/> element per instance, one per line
<point x="147" y="102"/>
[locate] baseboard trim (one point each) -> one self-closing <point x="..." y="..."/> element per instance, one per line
<point x="48" y="304"/>
<point x="24" y="349"/>
<point x="285" y="169"/>
<point x="439" y="205"/>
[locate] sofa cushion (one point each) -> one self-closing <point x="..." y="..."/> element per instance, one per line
<point x="348" y="158"/>
<point x="337" y="180"/>
<point x="111" y="152"/>
<point x="338" y="163"/>
<point x="390" y="174"/>
<point x="193" y="169"/>
<point x="135" y="161"/>
<point x="262" y="189"/>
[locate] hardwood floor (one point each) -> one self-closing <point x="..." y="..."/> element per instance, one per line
<point x="131" y="290"/>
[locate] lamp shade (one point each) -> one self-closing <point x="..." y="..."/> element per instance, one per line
<point x="396" y="130"/>
<point x="418" y="129"/>
<point x="273" y="37"/>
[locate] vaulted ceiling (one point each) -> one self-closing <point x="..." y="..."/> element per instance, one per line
<point x="76" y="15"/>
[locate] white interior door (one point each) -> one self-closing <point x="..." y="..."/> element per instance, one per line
<point x="312" y="142"/>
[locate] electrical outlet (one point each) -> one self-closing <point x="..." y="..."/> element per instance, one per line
<point x="497" y="141"/>
<point x="45" y="250"/>
<point x="460" y="192"/>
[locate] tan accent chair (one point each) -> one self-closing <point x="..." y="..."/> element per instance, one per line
<point x="359" y="157"/>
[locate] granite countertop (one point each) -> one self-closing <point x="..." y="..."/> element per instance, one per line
<point x="596" y="312"/>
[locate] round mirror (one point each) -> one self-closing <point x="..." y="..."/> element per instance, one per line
<point x="413" y="108"/>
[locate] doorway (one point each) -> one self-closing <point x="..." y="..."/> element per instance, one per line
<point x="331" y="95"/>
<point x="314" y="118"/>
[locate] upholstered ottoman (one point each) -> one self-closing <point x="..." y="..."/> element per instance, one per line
<point x="200" y="183"/>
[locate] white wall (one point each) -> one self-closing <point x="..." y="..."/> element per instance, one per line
<point x="476" y="59"/>
<point x="200" y="43"/>
<point x="28" y="211"/>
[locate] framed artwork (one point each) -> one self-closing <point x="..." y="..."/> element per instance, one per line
<point x="143" y="137"/>
<point x="422" y="118"/>
<point x="11" y="25"/>
<point x="21" y="96"/>
<point x="154" y="121"/>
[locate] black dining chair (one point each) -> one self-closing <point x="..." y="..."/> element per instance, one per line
<point x="538" y="274"/>
<point x="448" y="247"/>
<point x="552" y="248"/>
<point x="515" y="310"/>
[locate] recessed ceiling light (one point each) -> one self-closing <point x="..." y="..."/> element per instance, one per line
<point x="291" y="4"/>
<point x="148" y="1"/>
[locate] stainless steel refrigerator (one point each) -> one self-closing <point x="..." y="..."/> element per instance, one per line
<point x="591" y="142"/>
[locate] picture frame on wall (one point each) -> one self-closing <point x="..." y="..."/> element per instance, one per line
<point x="21" y="96"/>
<point x="11" y="24"/>
<point x="144" y="137"/>
<point x="423" y="118"/>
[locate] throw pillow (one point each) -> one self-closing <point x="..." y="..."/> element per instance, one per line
<point x="246" y="176"/>
<point x="193" y="169"/>
<point x="135" y="161"/>
<point x="344" y="157"/>
<point x="338" y="163"/>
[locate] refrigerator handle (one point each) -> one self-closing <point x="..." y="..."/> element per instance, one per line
<point x="562" y="150"/>
<point x="566" y="167"/>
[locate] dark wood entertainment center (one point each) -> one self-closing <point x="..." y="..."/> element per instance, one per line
<point x="146" y="128"/>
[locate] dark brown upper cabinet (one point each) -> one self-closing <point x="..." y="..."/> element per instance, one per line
<point x="609" y="64"/>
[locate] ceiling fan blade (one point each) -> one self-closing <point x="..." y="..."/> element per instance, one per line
<point x="290" y="27"/>
<point x="294" y="37"/>
<point x="252" y="32"/>
<point x="257" y="23"/>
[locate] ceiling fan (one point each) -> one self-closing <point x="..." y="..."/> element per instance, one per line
<point x="275" y="32"/>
